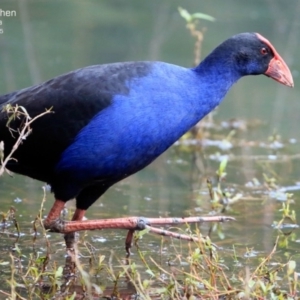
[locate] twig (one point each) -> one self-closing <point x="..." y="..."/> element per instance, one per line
<point x="26" y="130"/>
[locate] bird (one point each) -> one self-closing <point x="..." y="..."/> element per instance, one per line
<point x="110" y="121"/>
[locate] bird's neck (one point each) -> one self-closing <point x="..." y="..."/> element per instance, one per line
<point x="216" y="76"/>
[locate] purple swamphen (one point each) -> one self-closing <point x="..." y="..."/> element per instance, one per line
<point x="110" y="121"/>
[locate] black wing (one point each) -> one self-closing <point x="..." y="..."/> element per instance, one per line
<point x="75" y="98"/>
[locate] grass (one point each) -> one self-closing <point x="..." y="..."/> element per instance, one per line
<point x="195" y="270"/>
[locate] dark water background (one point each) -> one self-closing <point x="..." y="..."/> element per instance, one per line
<point x="50" y="37"/>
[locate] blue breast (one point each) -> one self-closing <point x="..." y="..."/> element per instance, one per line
<point x="136" y="128"/>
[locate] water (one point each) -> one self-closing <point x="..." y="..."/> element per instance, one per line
<point x="48" y="38"/>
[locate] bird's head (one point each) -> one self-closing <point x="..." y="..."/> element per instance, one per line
<point x="253" y="54"/>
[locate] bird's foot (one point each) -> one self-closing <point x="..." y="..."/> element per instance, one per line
<point x="142" y="223"/>
<point x="56" y="225"/>
<point x="134" y="223"/>
<point x="131" y="223"/>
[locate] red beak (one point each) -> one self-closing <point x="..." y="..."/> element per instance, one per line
<point x="278" y="69"/>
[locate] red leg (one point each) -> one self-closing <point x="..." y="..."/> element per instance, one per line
<point x="70" y="237"/>
<point x="78" y="214"/>
<point x="70" y="240"/>
<point x="52" y="221"/>
<point x="128" y="241"/>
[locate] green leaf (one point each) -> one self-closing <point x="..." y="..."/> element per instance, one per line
<point x="139" y="234"/>
<point x="291" y="267"/>
<point x="59" y="272"/>
<point x="203" y="17"/>
<point x="72" y="297"/>
<point x="222" y="168"/>
<point x="101" y="259"/>
<point x="148" y="271"/>
<point x="185" y="14"/>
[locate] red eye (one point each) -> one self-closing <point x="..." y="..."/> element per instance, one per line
<point x="263" y="51"/>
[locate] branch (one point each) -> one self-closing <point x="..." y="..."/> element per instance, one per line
<point x="23" y="134"/>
